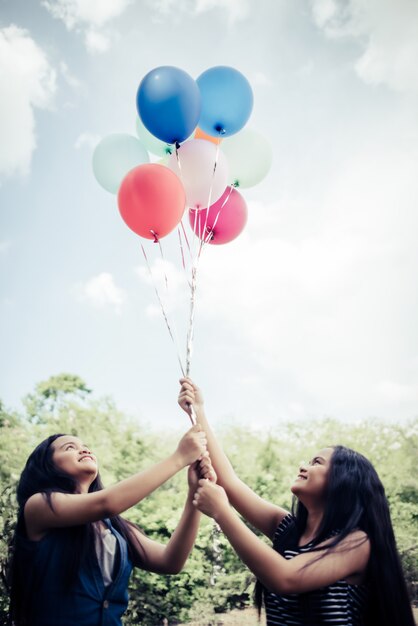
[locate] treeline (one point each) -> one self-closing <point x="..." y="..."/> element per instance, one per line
<point x="214" y="580"/>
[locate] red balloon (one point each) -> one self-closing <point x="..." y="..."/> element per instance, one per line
<point x="225" y="220"/>
<point x="151" y="200"/>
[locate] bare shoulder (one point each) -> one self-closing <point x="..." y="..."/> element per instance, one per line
<point x="32" y="511"/>
<point x="34" y="503"/>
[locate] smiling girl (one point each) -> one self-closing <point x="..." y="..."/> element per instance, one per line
<point x="73" y="553"/>
<point x="333" y="560"/>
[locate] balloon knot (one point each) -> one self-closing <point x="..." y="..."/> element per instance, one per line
<point x="154" y="234"/>
<point x="210" y="234"/>
<point x="177" y="144"/>
<point x="220" y="130"/>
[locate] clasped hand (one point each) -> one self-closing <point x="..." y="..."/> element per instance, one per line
<point x="210" y="498"/>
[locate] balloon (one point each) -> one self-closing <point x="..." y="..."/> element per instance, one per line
<point x="151" y="200"/>
<point x="197" y="159"/>
<point x="154" y="145"/>
<point x="227" y="101"/>
<point x="249" y="156"/>
<point x="168" y="102"/>
<point x="114" y="156"/>
<point x="225" y="219"/>
<point x="200" y="134"/>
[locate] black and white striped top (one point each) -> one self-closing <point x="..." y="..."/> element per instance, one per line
<point x="339" y="604"/>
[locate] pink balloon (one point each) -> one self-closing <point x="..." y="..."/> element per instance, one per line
<point x="151" y="200"/>
<point x="225" y="219"/>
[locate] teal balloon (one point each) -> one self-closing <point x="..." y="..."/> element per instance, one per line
<point x="249" y="155"/>
<point x="114" y="156"/>
<point x="154" y="145"/>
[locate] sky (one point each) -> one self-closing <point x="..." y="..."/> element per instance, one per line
<point x="312" y="311"/>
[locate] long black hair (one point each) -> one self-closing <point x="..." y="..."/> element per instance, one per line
<point x="356" y="500"/>
<point x="40" y="475"/>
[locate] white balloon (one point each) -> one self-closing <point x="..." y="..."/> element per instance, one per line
<point x="195" y="167"/>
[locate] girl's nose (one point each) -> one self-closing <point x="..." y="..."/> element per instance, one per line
<point x="302" y="465"/>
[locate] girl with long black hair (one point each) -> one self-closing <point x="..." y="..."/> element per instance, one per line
<point x="72" y="553"/>
<point x="334" y="559"/>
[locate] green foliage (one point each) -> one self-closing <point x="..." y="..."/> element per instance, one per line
<point x="50" y="394"/>
<point x="214" y="579"/>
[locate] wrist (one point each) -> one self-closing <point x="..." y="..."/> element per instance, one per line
<point x="178" y="460"/>
<point x="189" y="499"/>
<point x="223" y="514"/>
<point x="199" y="409"/>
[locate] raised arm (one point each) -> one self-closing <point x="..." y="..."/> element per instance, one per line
<point x="304" y="572"/>
<point x="171" y="557"/>
<point x="259" y="512"/>
<point x="81" y="508"/>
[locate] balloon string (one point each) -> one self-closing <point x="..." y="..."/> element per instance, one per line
<point x="163" y="310"/>
<point x="190" y="330"/>
<point x="209" y="199"/>
<point x="182" y="256"/>
<point x="209" y="234"/>
<point x="181" y="249"/>
<point x="203" y="235"/>
<point x="193" y="285"/>
<point x="156" y="240"/>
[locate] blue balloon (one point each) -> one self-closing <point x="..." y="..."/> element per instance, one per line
<point x="169" y="103"/>
<point x="227" y="101"/>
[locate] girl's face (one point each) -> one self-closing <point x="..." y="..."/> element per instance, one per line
<point x="312" y="480"/>
<point x="72" y="456"/>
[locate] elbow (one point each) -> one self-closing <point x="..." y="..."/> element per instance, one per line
<point x="285" y="585"/>
<point x="171" y="569"/>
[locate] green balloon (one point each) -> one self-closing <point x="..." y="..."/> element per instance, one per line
<point x="152" y="143"/>
<point x="114" y="156"/>
<point x="249" y="156"/>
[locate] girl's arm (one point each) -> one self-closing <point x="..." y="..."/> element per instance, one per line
<point x="170" y="558"/>
<point x="262" y="514"/>
<point x="77" y="509"/>
<point x="304" y="572"/>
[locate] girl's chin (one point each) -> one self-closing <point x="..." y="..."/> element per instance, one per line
<point x="295" y="488"/>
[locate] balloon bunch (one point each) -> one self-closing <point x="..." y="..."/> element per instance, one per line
<point x="184" y="122"/>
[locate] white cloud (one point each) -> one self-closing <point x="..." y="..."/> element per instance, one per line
<point x="96" y="41"/>
<point x="27" y="81"/>
<point x="102" y="292"/>
<point x="170" y="283"/>
<point x="87" y="139"/>
<point x="89" y="17"/>
<point x="387" y="32"/>
<point x="235" y="9"/>
<point x="334" y="309"/>
<point x="259" y="78"/>
<point x="69" y="78"/>
<point x="395" y="393"/>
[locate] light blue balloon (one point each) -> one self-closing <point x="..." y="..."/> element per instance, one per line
<point x="154" y="145"/>
<point x="227" y="101"/>
<point x="114" y="156"/>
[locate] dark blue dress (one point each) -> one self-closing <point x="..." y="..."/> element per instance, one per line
<point x="87" y="602"/>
